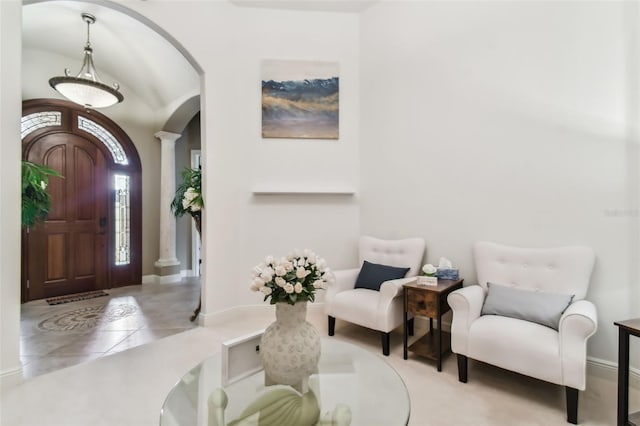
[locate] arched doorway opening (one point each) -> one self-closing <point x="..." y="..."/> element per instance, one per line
<point x="92" y="237"/>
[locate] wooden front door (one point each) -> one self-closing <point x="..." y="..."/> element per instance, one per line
<point x="67" y="253"/>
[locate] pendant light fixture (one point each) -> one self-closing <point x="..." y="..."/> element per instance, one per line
<point x="86" y="88"/>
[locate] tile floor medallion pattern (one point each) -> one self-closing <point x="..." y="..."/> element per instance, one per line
<point x="86" y="318"/>
<point x="53" y="337"/>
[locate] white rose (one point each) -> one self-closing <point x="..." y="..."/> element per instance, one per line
<point x="190" y="194"/>
<point x="288" y="288"/>
<point x="298" y="288"/>
<point x="312" y="258"/>
<point x="185" y="203"/>
<point x="280" y="282"/>
<point x="288" y="266"/>
<point x="266" y="277"/>
<point x="429" y="269"/>
<point x="266" y="290"/>
<point x="254" y="287"/>
<point x="195" y="208"/>
<point x="318" y="284"/>
<point x="43" y="185"/>
<point x="268" y="260"/>
<point x="259" y="282"/>
<point x="280" y="271"/>
<point x="301" y="273"/>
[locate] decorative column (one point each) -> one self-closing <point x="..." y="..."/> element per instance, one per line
<point x="167" y="266"/>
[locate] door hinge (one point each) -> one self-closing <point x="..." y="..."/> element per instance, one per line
<point x="27" y="283"/>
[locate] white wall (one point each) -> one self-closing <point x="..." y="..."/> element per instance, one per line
<point x="139" y="122"/>
<point x="229" y="42"/>
<point x="10" y="111"/>
<point x="506" y="122"/>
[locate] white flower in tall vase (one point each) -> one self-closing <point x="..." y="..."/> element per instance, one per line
<point x="290" y="346"/>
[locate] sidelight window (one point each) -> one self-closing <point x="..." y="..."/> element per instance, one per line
<point x="122" y="220"/>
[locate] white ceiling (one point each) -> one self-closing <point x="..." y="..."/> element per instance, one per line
<point x="137" y="57"/>
<point x="349" y="6"/>
<point x="128" y="51"/>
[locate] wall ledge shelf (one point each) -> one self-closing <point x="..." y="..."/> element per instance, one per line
<point x="282" y="190"/>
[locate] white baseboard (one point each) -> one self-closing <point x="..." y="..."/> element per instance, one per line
<point x="609" y="370"/>
<point x="187" y="273"/>
<point x="161" y="279"/>
<point x="148" y="279"/>
<point x="10" y="378"/>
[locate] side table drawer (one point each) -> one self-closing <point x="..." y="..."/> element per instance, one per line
<point x="421" y="302"/>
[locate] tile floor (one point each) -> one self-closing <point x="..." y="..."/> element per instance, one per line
<point x="58" y="336"/>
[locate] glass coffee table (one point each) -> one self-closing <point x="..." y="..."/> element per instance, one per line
<point x="352" y="387"/>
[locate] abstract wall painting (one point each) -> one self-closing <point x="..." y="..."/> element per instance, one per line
<point x="300" y="99"/>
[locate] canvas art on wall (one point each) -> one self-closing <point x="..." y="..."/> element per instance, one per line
<point x="300" y="99"/>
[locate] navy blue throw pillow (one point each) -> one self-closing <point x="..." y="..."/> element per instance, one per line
<point x="372" y="275"/>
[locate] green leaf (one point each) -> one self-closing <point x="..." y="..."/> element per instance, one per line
<point x="36" y="201"/>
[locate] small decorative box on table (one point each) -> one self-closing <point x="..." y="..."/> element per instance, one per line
<point x="431" y="302"/>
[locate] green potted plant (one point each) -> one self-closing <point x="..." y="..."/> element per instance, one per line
<point x="36" y="201"/>
<point x="188" y="196"/>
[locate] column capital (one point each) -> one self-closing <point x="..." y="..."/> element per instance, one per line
<point x="167" y="136"/>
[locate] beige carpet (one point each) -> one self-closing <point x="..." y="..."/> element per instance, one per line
<point x="128" y="388"/>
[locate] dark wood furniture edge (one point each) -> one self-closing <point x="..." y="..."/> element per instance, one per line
<point x="626" y="328"/>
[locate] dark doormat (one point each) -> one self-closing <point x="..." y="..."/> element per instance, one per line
<point x="75" y="297"/>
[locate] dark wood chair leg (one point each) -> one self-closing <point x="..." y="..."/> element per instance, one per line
<point x="572" y="405"/>
<point x="386" y="339"/>
<point x="332" y="325"/>
<point x="462" y="368"/>
<point x="410" y="326"/>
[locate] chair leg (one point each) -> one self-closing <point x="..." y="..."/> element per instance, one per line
<point x="410" y="326"/>
<point x="332" y="325"/>
<point x="462" y="368"/>
<point x="572" y="405"/>
<point x="386" y="339"/>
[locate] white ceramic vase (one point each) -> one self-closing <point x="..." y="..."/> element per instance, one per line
<point x="290" y="348"/>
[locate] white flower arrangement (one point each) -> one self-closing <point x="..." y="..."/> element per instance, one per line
<point x="188" y="195"/>
<point x="429" y="270"/>
<point x="192" y="200"/>
<point x="428" y="275"/>
<point x="291" y="279"/>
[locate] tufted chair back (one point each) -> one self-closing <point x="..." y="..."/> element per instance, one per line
<point x="401" y="253"/>
<point x="564" y="270"/>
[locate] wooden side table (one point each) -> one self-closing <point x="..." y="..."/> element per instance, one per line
<point x="625" y="328"/>
<point x="431" y="302"/>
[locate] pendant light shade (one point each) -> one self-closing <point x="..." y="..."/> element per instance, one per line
<point x="86" y="88"/>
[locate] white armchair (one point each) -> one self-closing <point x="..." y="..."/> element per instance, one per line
<point x="515" y="343"/>
<point x="378" y="310"/>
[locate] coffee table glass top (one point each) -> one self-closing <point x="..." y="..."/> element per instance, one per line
<point x="351" y="383"/>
